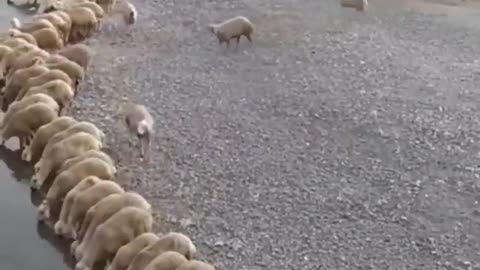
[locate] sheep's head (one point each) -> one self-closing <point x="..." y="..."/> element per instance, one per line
<point x="212" y="28"/>
<point x="129" y="13"/>
<point x="12" y="32"/>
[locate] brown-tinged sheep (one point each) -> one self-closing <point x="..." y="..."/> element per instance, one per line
<point x="15" y="33"/>
<point x="118" y="230"/>
<point x="235" y="27"/>
<point x="58" y="22"/>
<point x="58" y="90"/>
<point x="84" y="184"/>
<point x="35" y="149"/>
<point x="83" y="202"/>
<point x="72" y="69"/>
<point x="139" y="122"/>
<point x="67" y="164"/>
<point x="359" y="5"/>
<point x="43" y="78"/>
<point x="127" y="252"/>
<point x="82" y="126"/>
<point x="97" y="10"/>
<point x="31" y="27"/>
<point x="84" y="23"/>
<point x="71" y="146"/>
<point x="68" y="26"/>
<point x="27" y="60"/>
<point x="195" y="265"/>
<point x="102" y="211"/>
<point x="68" y="179"/>
<point x="25" y="122"/>
<point x="24" y="103"/>
<point x="15" y="83"/>
<point x="169" y="260"/>
<point x="172" y="241"/>
<point x="79" y="53"/>
<point x="14" y="42"/>
<point x="48" y="39"/>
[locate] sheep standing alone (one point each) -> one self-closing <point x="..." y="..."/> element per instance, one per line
<point x="235" y="27"/>
<point x="139" y="122"/>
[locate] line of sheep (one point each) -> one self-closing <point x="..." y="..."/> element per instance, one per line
<point x="42" y="66"/>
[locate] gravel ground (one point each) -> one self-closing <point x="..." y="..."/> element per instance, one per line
<point x="337" y="140"/>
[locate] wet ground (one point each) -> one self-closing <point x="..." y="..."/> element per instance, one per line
<point x="24" y="243"/>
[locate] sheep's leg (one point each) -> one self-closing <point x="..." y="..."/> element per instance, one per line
<point x="238" y="41"/>
<point x="249" y="37"/>
<point x="228" y="43"/>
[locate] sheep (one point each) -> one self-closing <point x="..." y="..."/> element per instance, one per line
<point x="139" y="122"/>
<point x="18" y="79"/>
<point x="84" y="23"/>
<point x="9" y="59"/>
<point x="63" y="26"/>
<point x="26" y="121"/>
<point x="78" y="53"/>
<point x="89" y="154"/>
<point x="58" y="90"/>
<point x="27" y="60"/>
<point x="97" y="10"/>
<point x="43" y="78"/>
<point x="40" y="139"/>
<point x="127" y="11"/>
<point x="169" y="260"/>
<point x="71" y="68"/>
<point x="68" y="179"/>
<point x="82" y="126"/>
<point x="118" y="230"/>
<point x="82" y="203"/>
<point x="102" y="211"/>
<point x="48" y="39"/>
<point x="22" y="104"/>
<point x="359" y="5"/>
<point x="195" y="265"/>
<point x="15" y="33"/>
<point x="127" y="252"/>
<point x="12" y="42"/>
<point x="71" y="146"/>
<point x="235" y="27"/>
<point x="70" y="197"/>
<point x="31" y="26"/>
<point x="172" y="241"/>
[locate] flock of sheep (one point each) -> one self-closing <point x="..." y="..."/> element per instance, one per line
<point x="42" y="66"/>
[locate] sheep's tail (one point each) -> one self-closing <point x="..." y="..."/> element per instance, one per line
<point x="15" y="22"/>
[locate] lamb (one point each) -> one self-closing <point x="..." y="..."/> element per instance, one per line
<point x="68" y="179"/>
<point x="235" y="27"/>
<point x="139" y="122"/>
<point x="15" y="83"/>
<point x="172" y="241"/>
<point x="89" y="154"/>
<point x="33" y="151"/>
<point x="359" y="5"/>
<point x="58" y="90"/>
<point x="71" y="146"/>
<point x="102" y="211"/>
<point x="25" y="122"/>
<point x="125" y="9"/>
<point x="43" y="78"/>
<point x="82" y="203"/>
<point x="127" y="252"/>
<point x="195" y="265"/>
<point x="118" y="230"/>
<point x="78" y="53"/>
<point x="24" y="103"/>
<point x="84" y="184"/>
<point x="169" y="260"/>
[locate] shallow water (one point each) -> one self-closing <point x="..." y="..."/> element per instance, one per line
<point x="25" y="244"/>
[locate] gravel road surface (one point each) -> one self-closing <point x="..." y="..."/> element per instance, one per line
<point x="338" y="140"/>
